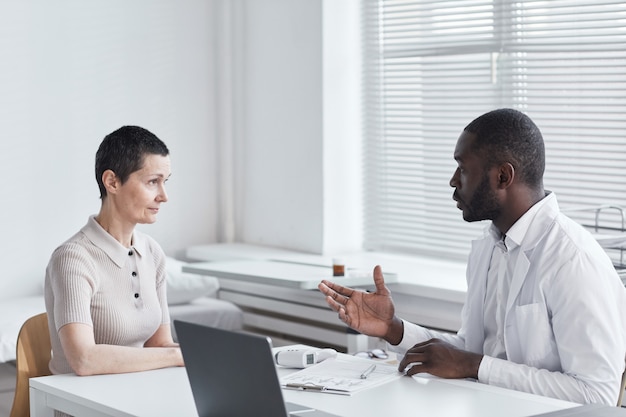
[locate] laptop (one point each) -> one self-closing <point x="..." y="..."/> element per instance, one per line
<point x="233" y="374"/>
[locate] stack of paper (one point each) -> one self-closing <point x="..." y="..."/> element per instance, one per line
<point x="342" y="375"/>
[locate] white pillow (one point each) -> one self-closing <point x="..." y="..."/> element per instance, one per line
<point x="183" y="287"/>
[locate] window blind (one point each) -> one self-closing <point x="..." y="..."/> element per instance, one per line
<point x="433" y="66"/>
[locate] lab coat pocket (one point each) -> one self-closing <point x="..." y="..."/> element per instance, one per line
<point x="537" y="344"/>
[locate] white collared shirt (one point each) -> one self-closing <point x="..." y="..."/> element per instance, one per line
<point x="503" y="260"/>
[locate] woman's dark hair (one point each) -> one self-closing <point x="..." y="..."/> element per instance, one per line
<point x="508" y="135"/>
<point x="123" y="152"/>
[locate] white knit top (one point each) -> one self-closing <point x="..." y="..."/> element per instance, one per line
<point x="119" y="291"/>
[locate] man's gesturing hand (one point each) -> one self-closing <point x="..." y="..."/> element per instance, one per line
<point x="368" y="313"/>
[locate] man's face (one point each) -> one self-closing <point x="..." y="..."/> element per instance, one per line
<point x="474" y="193"/>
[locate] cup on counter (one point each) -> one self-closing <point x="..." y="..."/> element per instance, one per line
<point x="339" y="268"/>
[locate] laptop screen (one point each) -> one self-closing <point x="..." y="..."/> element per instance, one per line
<point x="231" y="374"/>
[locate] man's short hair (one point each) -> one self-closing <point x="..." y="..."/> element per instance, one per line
<point x="508" y="135"/>
<point x="123" y="152"/>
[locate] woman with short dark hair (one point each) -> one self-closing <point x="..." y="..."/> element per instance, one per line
<point x="105" y="286"/>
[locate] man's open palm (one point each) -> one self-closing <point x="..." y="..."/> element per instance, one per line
<point x="365" y="312"/>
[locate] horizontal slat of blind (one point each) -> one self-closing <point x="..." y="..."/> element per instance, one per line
<point x="433" y="66"/>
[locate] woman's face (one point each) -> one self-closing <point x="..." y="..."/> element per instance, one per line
<point x="140" y="197"/>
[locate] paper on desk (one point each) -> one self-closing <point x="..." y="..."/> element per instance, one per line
<point x="341" y="375"/>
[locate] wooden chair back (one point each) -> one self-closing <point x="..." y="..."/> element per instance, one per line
<point x="32" y="357"/>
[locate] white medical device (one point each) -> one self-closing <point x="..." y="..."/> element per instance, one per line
<point x="302" y="358"/>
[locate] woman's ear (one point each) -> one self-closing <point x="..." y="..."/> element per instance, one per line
<point x="110" y="181"/>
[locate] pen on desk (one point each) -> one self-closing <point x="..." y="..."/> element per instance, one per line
<point x="368" y="371"/>
<point x="306" y="386"/>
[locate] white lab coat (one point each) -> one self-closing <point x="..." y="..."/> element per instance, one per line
<point x="565" y="316"/>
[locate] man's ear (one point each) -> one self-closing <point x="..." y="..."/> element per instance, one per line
<point x="506" y="175"/>
<point x="110" y="181"/>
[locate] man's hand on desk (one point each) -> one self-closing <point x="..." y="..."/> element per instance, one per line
<point x="372" y="313"/>
<point x="441" y="359"/>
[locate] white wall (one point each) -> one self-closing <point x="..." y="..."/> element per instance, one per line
<point x="343" y="142"/>
<point x="70" y="73"/>
<point x="298" y="159"/>
<point x="281" y="200"/>
<point x="257" y="100"/>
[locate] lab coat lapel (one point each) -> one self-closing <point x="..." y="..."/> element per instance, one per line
<point x="519" y="276"/>
<point x="477" y="269"/>
<point x="538" y="228"/>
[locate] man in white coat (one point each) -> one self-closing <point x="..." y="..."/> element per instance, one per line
<point x="545" y="308"/>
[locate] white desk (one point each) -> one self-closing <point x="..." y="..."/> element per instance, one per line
<point x="166" y="393"/>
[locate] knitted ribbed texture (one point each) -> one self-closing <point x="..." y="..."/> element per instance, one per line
<point x="120" y="292"/>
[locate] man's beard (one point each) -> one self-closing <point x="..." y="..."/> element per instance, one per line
<point x="483" y="205"/>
